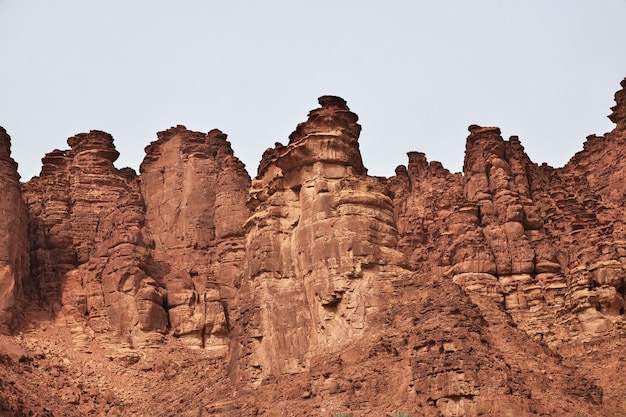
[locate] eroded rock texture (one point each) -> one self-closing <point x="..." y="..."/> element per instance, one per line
<point x="543" y="244"/>
<point x="519" y="233"/>
<point x="132" y="259"/>
<point x="14" y="247"/>
<point x="315" y="289"/>
<point x="89" y="248"/>
<point x="326" y="292"/>
<point x="195" y="192"/>
<point x="320" y="246"/>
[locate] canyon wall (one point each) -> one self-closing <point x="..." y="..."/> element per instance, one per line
<point x="320" y="246"/>
<point x="545" y="244"/>
<point x="90" y="251"/>
<point x="14" y="245"/>
<point x="195" y="191"/>
<point x="316" y="287"/>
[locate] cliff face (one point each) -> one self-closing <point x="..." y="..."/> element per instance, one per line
<point x="130" y="258"/>
<point x="195" y="191"/>
<point x="89" y="246"/>
<point x="484" y="230"/>
<point x="14" y="246"/>
<point x="320" y="243"/>
<point x="314" y="288"/>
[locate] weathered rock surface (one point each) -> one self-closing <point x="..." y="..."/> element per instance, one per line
<point x="89" y="246"/>
<point x="112" y="262"/>
<point x="314" y="289"/>
<point x="14" y="247"/>
<point x="543" y="244"/>
<point x="195" y="191"/>
<point x="320" y="246"/>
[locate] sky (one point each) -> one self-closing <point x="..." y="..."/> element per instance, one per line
<point x="417" y="73"/>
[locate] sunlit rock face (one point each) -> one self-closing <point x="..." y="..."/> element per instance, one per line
<point x="129" y="259"/>
<point x="195" y="192"/>
<point x="314" y="288"/>
<point x="337" y="262"/>
<point x="545" y="244"/>
<point x="90" y="250"/>
<point x="14" y="246"/>
<point x="320" y="245"/>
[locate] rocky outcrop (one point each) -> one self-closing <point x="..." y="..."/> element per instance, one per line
<point x="314" y="288"/>
<point x="543" y="244"/>
<point x="320" y="246"/>
<point x="582" y="208"/>
<point x="428" y="200"/>
<point x="326" y="293"/>
<point x="14" y="246"/>
<point x="508" y="238"/>
<point x="89" y="245"/>
<point x="618" y="116"/>
<point x="512" y="231"/>
<point x="195" y="191"/>
<point x="131" y="260"/>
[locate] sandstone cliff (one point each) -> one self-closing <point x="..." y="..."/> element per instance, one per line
<point x="320" y="246"/>
<point x="194" y="191"/>
<point x="90" y="250"/>
<point x="14" y="246"/>
<point x="314" y="289"/>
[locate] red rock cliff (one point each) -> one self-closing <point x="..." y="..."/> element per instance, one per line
<point x="316" y="289"/>
<point x="90" y="249"/>
<point x="14" y="246"/>
<point x="194" y="191"/>
<point x="320" y="242"/>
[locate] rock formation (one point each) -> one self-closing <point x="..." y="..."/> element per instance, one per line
<point x="618" y="116"/>
<point x="14" y="247"/>
<point x="320" y="242"/>
<point x="314" y="289"/>
<point x="102" y="251"/>
<point x="194" y="191"/>
<point x="90" y="256"/>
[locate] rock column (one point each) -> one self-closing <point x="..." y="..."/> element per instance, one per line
<point x="14" y="247"/>
<point x="320" y="246"/>
<point x="195" y="191"/>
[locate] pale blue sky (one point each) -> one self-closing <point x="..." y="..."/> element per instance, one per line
<point x="416" y="72"/>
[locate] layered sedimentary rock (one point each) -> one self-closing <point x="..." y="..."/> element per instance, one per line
<point x="14" y="246"/>
<point x="320" y="246"/>
<point x="130" y="259"/>
<point x="515" y="232"/>
<point x="90" y="254"/>
<point x="544" y="244"/>
<point x="326" y="293"/>
<point x="195" y="191"/>
<point x="316" y="289"/>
